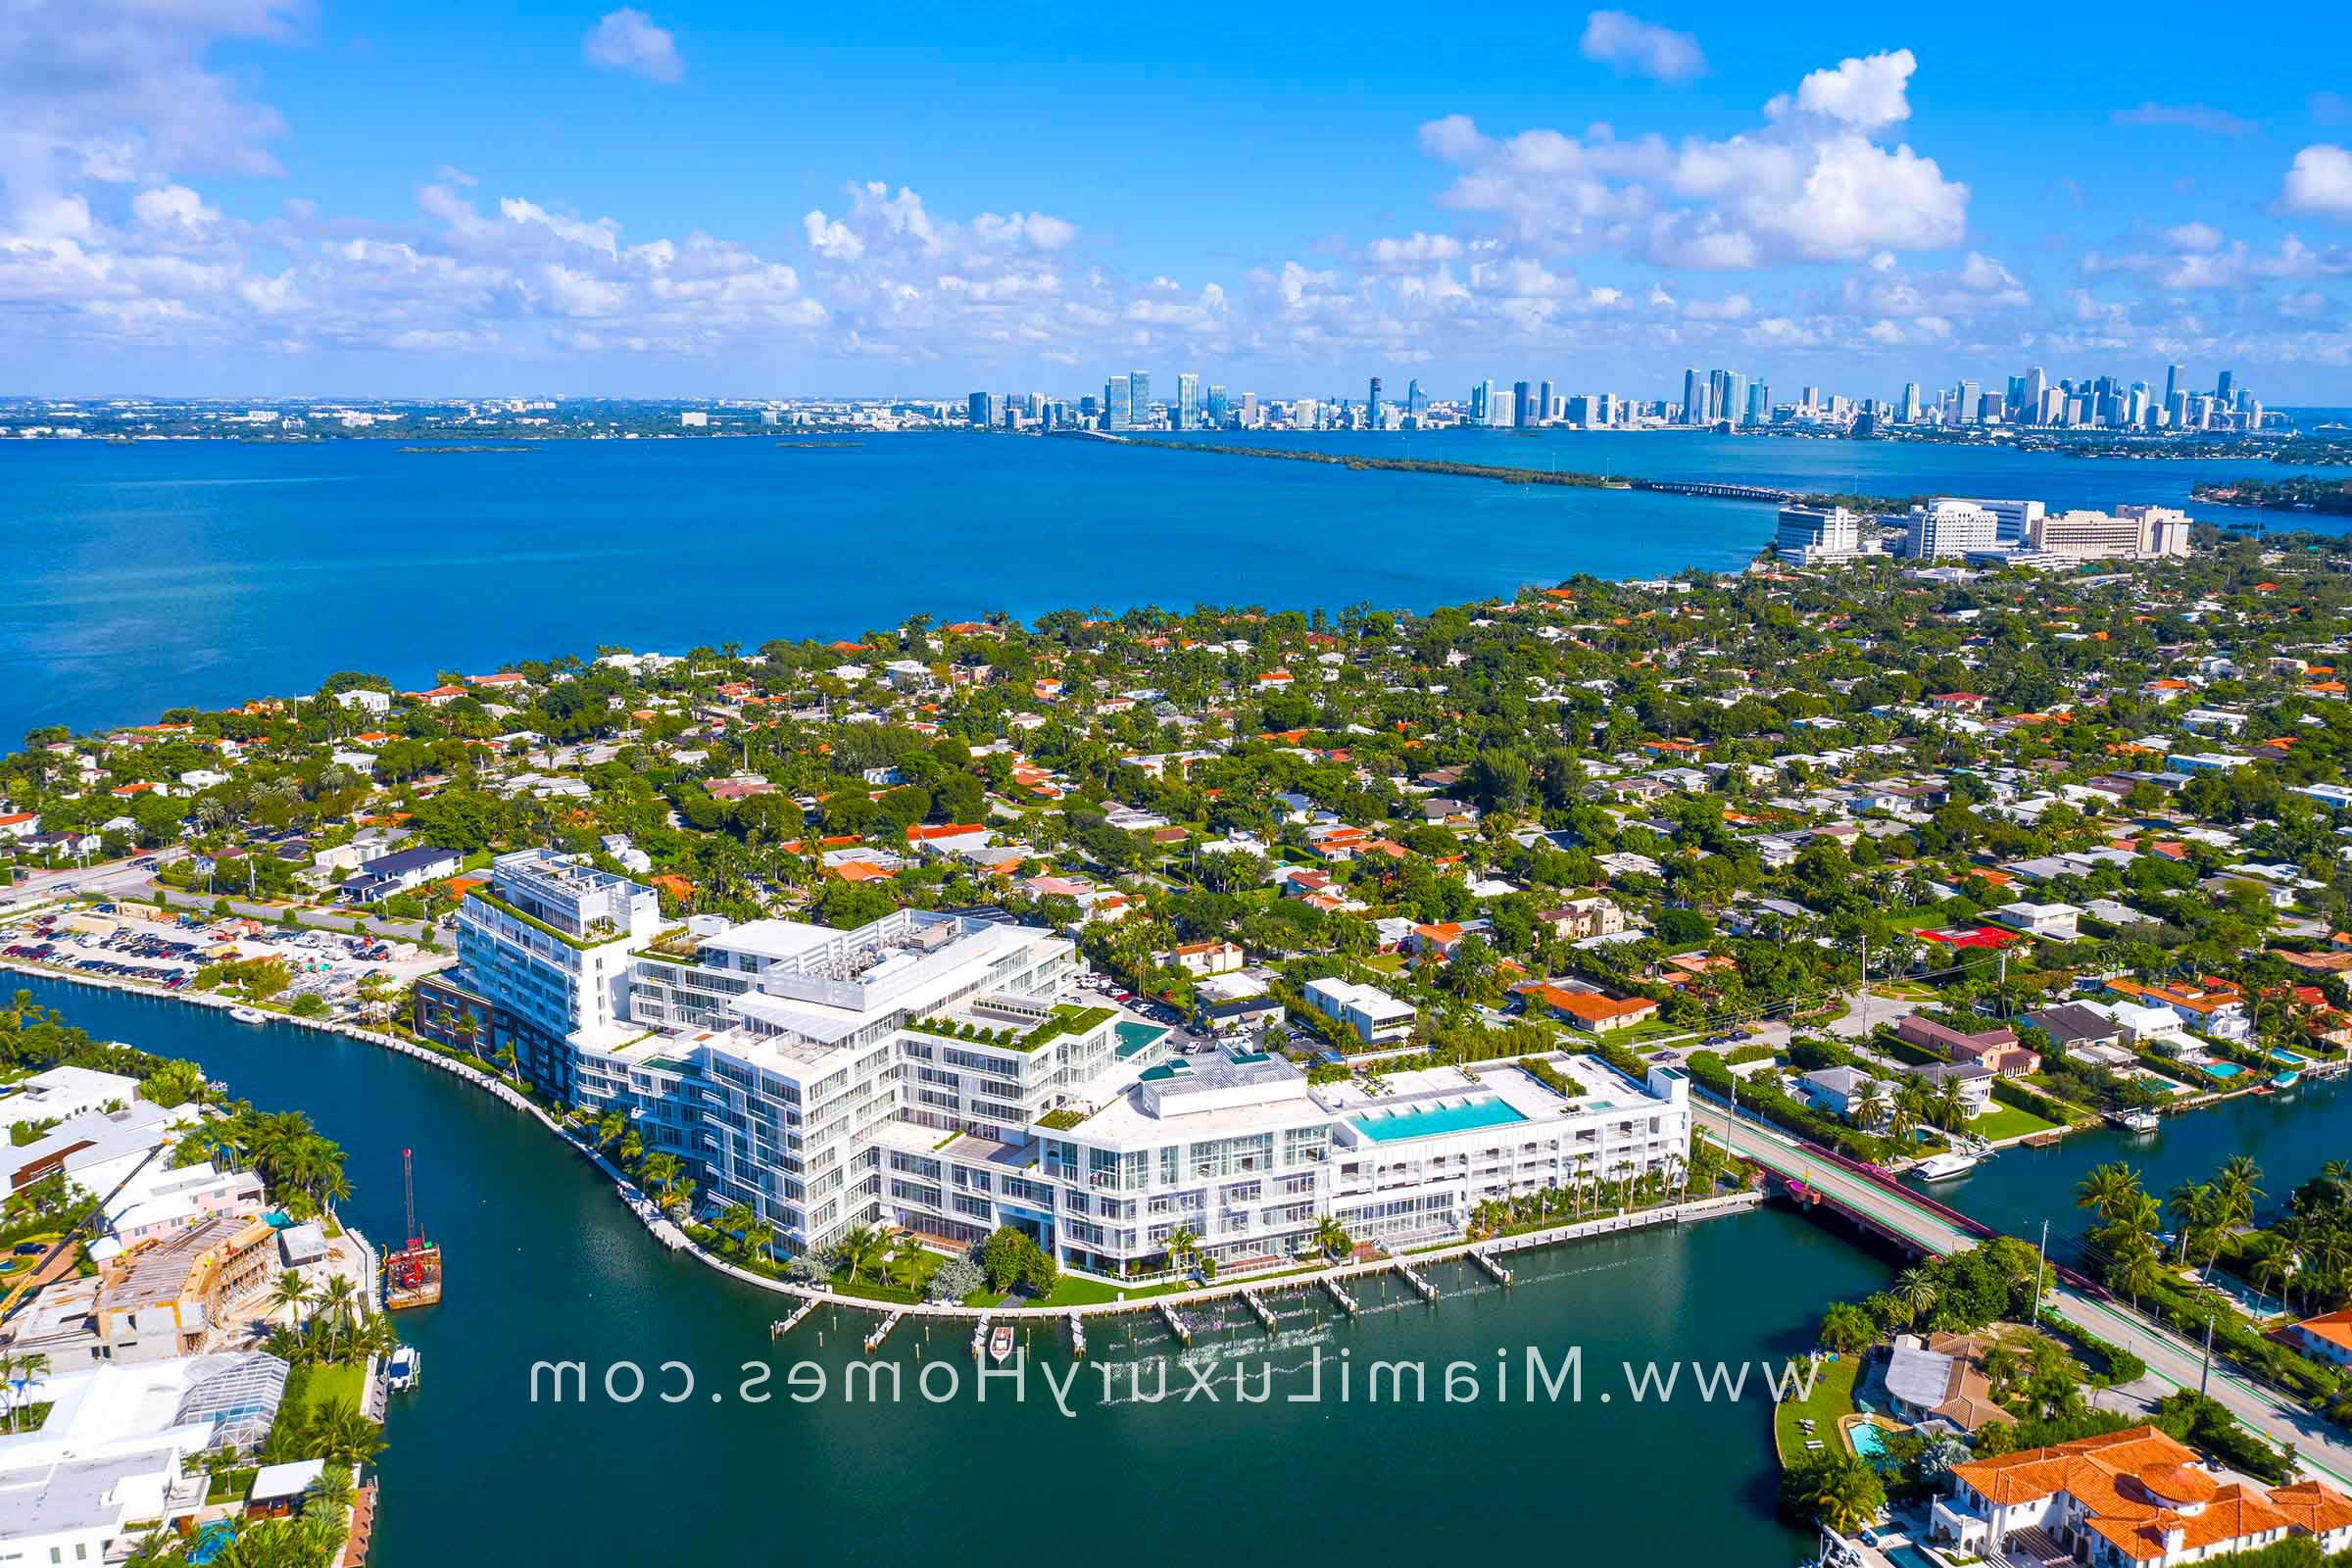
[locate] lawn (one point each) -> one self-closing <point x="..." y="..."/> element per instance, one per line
<point x="2007" y="1121"/>
<point x="1833" y="1397"/>
<point x="329" y="1384"/>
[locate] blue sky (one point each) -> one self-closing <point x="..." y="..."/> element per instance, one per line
<point x="263" y="196"/>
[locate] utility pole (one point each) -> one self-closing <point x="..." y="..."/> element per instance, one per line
<point x="1865" y="985"/>
<point x="2205" y="1374"/>
<point x="2040" y="1257"/>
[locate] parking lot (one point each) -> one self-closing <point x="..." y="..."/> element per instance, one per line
<point x="118" y="941"/>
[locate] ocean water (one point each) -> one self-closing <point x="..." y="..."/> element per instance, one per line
<point x="149" y="575"/>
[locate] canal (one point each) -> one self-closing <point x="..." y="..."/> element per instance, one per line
<point x="2290" y="1135"/>
<point x="544" y="1265"/>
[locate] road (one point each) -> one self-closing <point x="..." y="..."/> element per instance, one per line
<point x="127" y="879"/>
<point x="2174" y="1363"/>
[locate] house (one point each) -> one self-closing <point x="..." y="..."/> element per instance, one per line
<point x="2129" y="1497"/>
<point x="1996" y="1049"/>
<point x="1376" y="1017"/>
<point x="1975" y="1082"/>
<point x="2056" y="921"/>
<point x="2214" y="1005"/>
<point x="1593" y="1011"/>
<point x="2074" y="1026"/>
<point x="1202" y="958"/>
<point x="1594" y="916"/>
<point x="1837" y="1090"/>
<point x="63" y="1092"/>
<point x="20" y="824"/>
<point x="2325" y="1338"/>
<point x="390" y="875"/>
<point x="1942" y="1378"/>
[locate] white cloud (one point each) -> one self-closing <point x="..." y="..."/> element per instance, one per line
<point x="2189" y="117"/>
<point x="1419" y="249"/>
<point x="628" y="40"/>
<point x="2194" y="238"/>
<point x="1639" y="47"/>
<point x="2319" y="181"/>
<point x="1868" y="91"/>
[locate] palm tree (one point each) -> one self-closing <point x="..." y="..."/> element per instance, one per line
<point x="2193" y="1207"/>
<point x="1843" y="1494"/>
<point x="740" y="1219"/>
<point x="291" y="1291"/>
<point x="1916" y="1288"/>
<point x="1330" y="1238"/>
<point x="1184" y="1247"/>
<point x="336" y="1300"/>
<point x="2106" y="1189"/>
<point x="1951" y="1107"/>
<point x="1869" y="1105"/>
<point x="862" y="1247"/>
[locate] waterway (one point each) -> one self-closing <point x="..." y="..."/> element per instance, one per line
<point x="2290" y="1136"/>
<point x="149" y="575"/>
<point x="544" y="1264"/>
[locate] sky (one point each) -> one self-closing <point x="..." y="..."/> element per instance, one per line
<point x="305" y="197"/>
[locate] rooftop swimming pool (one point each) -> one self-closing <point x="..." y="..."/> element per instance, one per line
<point x="1137" y="1036"/>
<point x="1386" y="1126"/>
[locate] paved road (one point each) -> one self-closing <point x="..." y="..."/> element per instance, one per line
<point x="2174" y="1363"/>
<point x="271" y="913"/>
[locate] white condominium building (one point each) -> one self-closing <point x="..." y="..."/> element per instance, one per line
<point x="1810" y="534"/>
<point x="1948" y="527"/>
<point x="929" y="1071"/>
<point x="2011" y="520"/>
<point x="2131" y="532"/>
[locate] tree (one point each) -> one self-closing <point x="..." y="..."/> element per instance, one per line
<point x="1834" y="1489"/>
<point x="1917" y="1291"/>
<point x="1848" y="1328"/>
<point x="862" y="1248"/>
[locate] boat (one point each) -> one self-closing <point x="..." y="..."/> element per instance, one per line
<point x="2139" y="1120"/>
<point x="404" y="1369"/>
<point x="248" y="1014"/>
<point x="1943" y="1167"/>
<point x="1000" y="1343"/>
<point x="412" y="1273"/>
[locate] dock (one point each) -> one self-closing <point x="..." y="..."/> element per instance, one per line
<point x="1176" y="1324"/>
<point x="1502" y="1275"/>
<point x="980" y="1337"/>
<point x="1429" y="1292"/>
<point x="1077" y="1334"/>
<point x="785" y="1325"/>
<point x="1259" y="1309"/>
<point x="1346" y="1301"/>
<point x="873" y="1341"/>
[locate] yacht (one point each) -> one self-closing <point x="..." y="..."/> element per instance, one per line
<point x="1000" y="1343"/>
<point x="248" y="1014"/>
<point x="2137" y="1121"/>
<point x="404" y="1369"/>
<point x="1944" y="1166"/>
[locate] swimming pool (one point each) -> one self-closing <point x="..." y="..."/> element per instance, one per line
<point x="2224" y="1069"/>
<point x="1386" y="1126"/>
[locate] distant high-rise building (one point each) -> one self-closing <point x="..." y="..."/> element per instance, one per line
<point x="1188" y="400"/>
<point x="1812" y="398"/>
<point x="1415" y="402"/>
<point x="1759" y="405"/>
<point x="1734" y="406"/>
<point x="1307" y="415"/>
<point x="1968" y="397"/>
<point x="980" y="411"/>
<point x="2221" y="389"/>
<point x="1138" y="398"/>
<point x="1524" y="414"/>
<point x="1911" y="409"/>
<point x="1482" y="402"/>
<point x="1948" y="527"/>
<point x="2171" y="381"/>
<point x="1546" y="412"/>
<point x="1118" y="403"/>
<point x="1217" y="405"/>
<point x="1694" y="398"/>
<point x="1372" y="404"/>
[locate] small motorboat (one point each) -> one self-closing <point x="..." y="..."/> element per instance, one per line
<point x="404" y="1369"/>
<point x="248" y="1014"/>
<point x="1943" y="1167"/>
<point x="1000" y="1343"/>
<point x="2138" y="1121"/>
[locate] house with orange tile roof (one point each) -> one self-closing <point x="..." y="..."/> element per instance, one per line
<point x="2325" y="1338"/>
<point x="2135" y="1496"/>
<point x="1593" y="1011"/>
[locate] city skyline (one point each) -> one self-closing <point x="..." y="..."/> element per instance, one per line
<point x="265" y="198"/>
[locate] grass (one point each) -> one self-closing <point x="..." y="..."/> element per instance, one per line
<point x="329" y="1384"/>
<point x="229" y="1486"/>
<point x="2007" y="1121"/>
<point x="1833" y="1397"/>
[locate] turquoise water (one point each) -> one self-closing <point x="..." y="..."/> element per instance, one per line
<point x="1135" y="1038"/>
<point x="2224" y="1069"/>
<point x="207" y="572"/>
<point x="212" y="1540"/>
<point x="1385" y="1129"/>
<point x="1867" y="1438"/>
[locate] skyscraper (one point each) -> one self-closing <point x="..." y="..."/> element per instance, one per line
<point x="1372" y="404"/>
<point x="2171" y="381"/>
<point x="1759" y="405"/>
<point x="1138" y="398"/>
<point x="1415" y="402"/>
<point x="1910" y="403"/>
<point x="1735" y="398"/>
<point x="1188" y="400"/>
<point x="1694" y="398"/>
<point x="1118" y="403"/>
<point x="1217" y="406"/>
<point x="1522" y="403"/>
<point x="1482" y="402"/>
<point x="979" y="410"/>
<point x="2221" y="389"/>
<point x="1543" y="404"/>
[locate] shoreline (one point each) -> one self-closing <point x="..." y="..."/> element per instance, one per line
<point x="673" y="1238"/>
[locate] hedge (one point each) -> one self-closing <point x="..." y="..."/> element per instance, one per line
<point x="2024" y="1097"/>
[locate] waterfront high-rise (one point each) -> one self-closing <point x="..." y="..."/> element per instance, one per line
<point x="1188" y="400"/>
<point x="1138" y="398"/>
<point x="1372" y="404"/>
<point x="1522" y="403"/>
<point x="1759" y="405"/>
<point x="1734" y="406"/>
<point x="1415" y="402"/>
<point x="1118" y="403"/>
<point x="1217" y="405"/>
<point x="1694" y="398"/>
<point x="1545" y="410"/>
<point x="1911" y="409"/>
<point x="2171" y="382"/>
